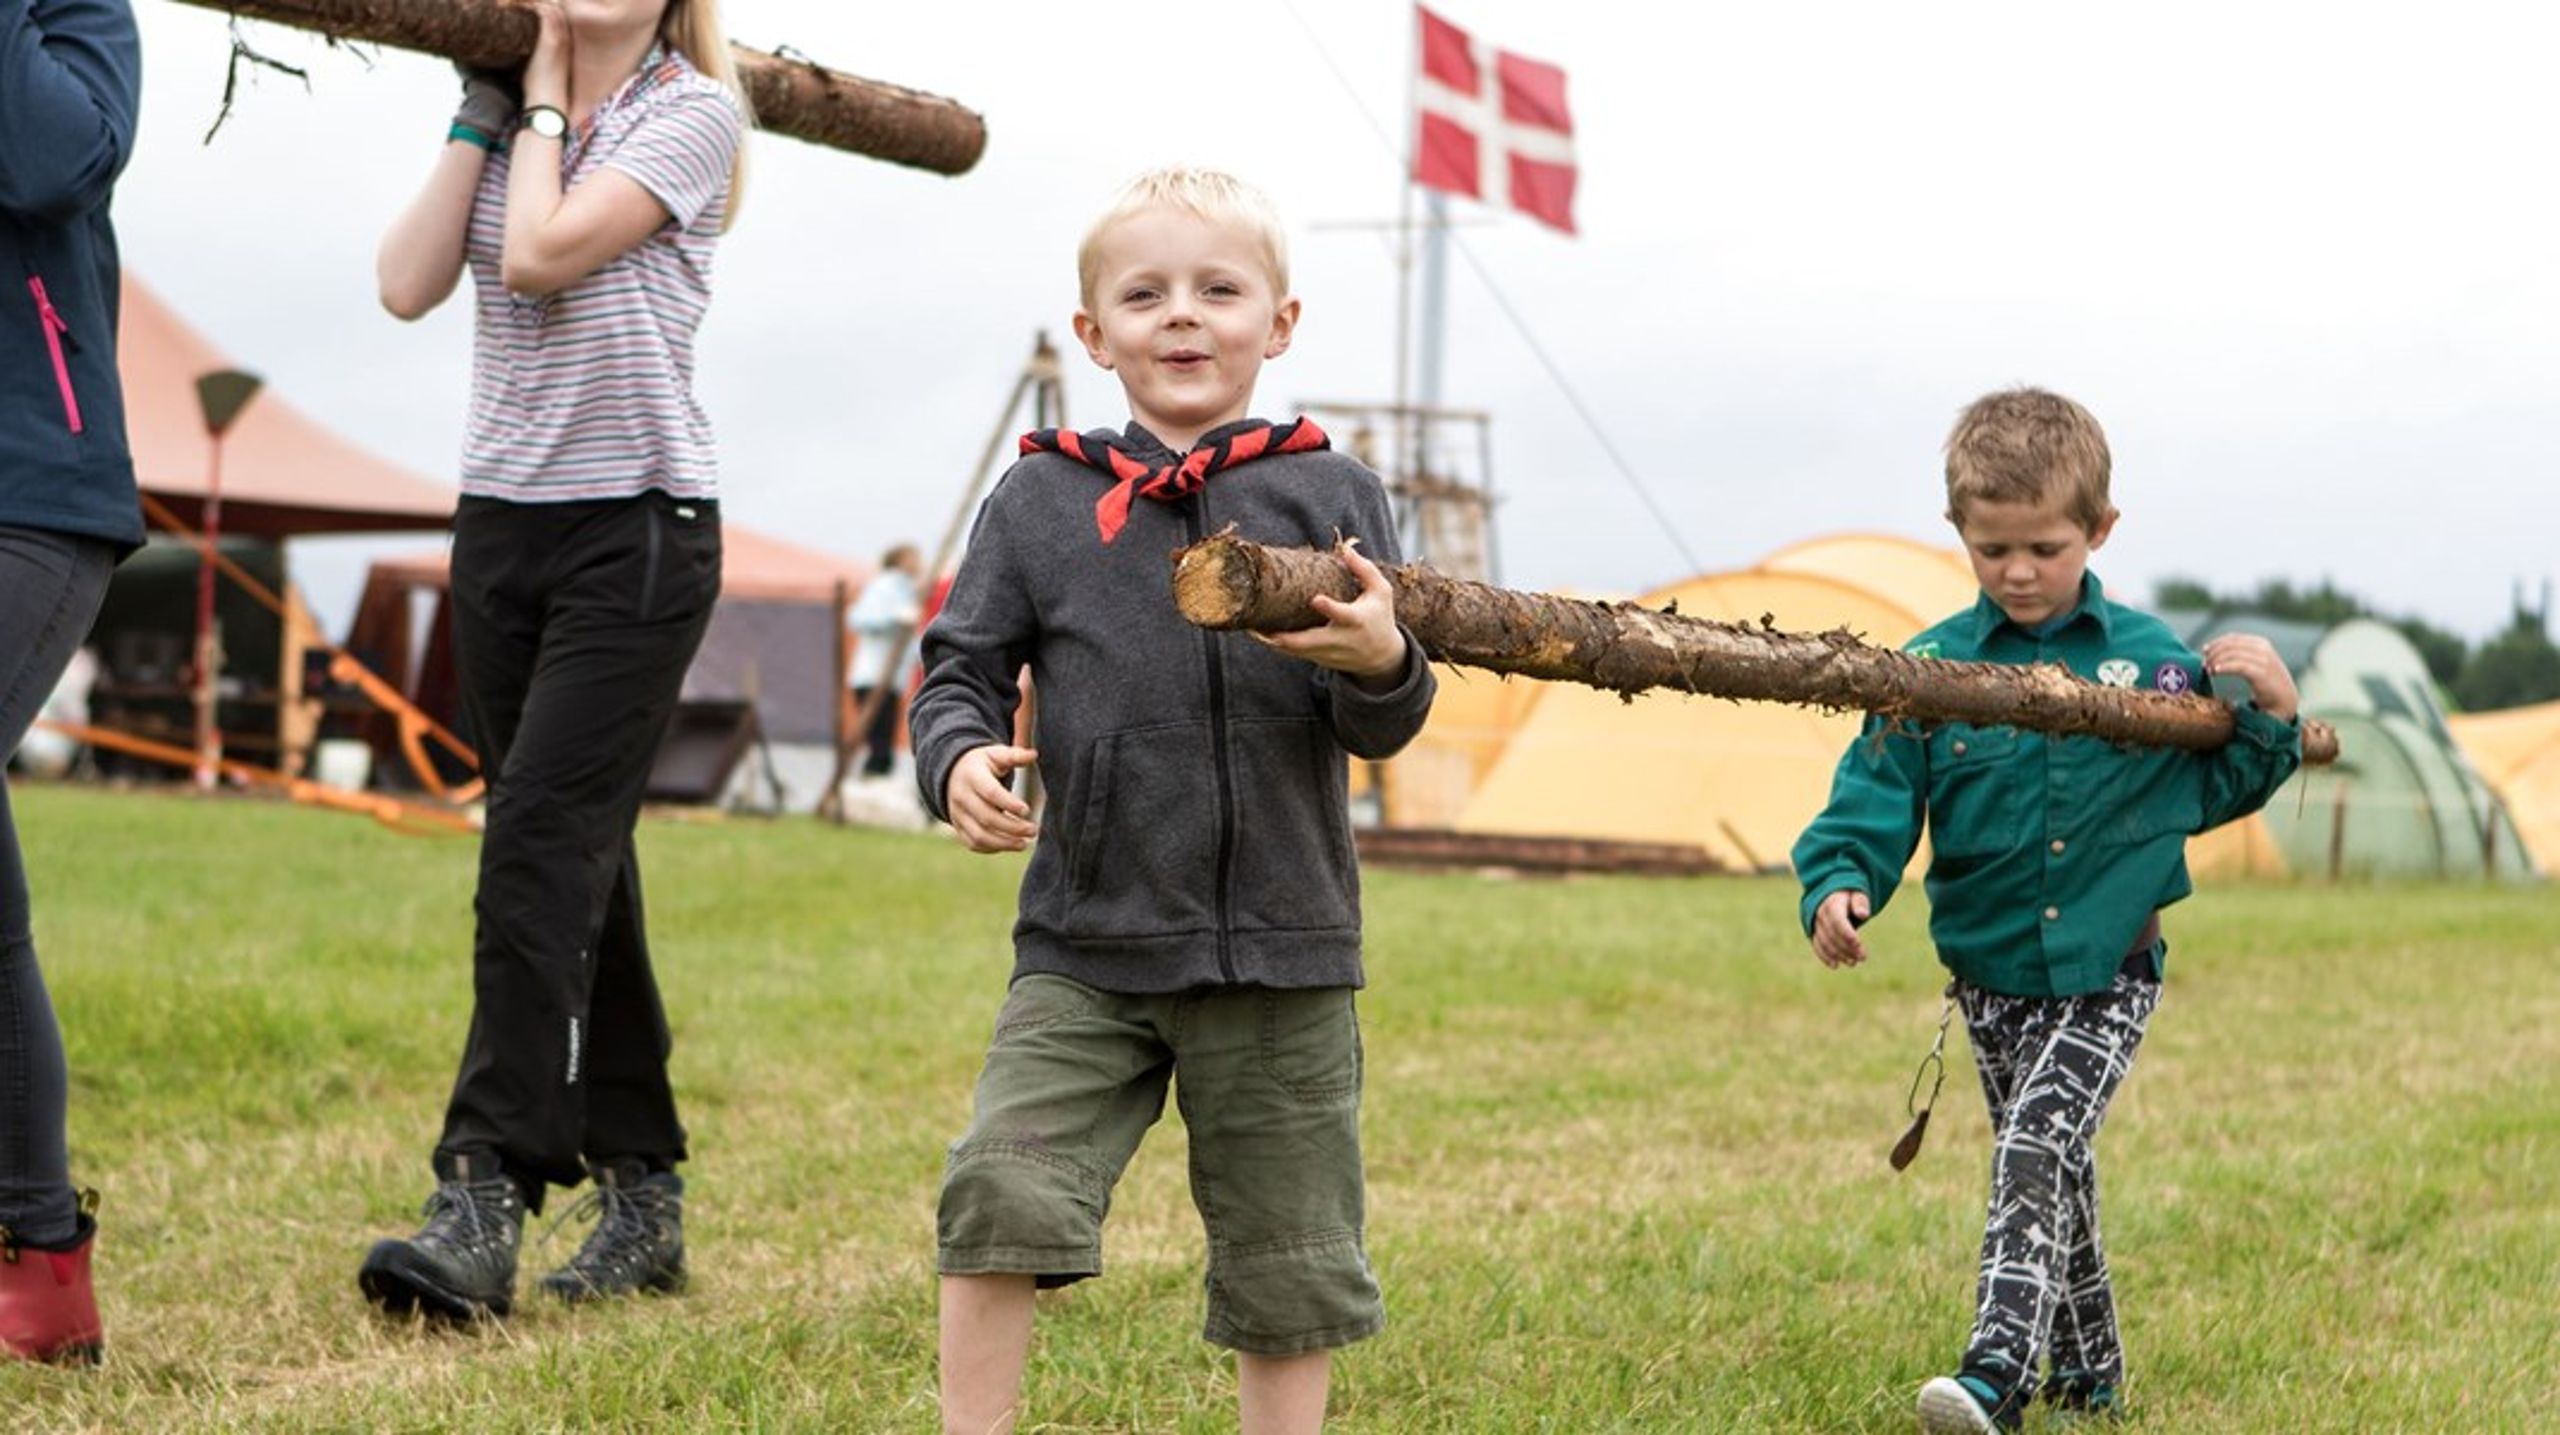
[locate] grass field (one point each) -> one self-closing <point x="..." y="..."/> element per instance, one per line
<point x="1625" y="1150"/>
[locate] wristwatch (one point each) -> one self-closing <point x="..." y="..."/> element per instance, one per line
<point x="544" y="120"/>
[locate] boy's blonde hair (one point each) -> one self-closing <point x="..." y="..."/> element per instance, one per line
<point x="2028" y="446"/>
<point x="1209" y="194"/>
<point x="692" y="29"/>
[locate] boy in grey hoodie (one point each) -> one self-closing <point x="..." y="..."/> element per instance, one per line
<point x="1193" y="904"/>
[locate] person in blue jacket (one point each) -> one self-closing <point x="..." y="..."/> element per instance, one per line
<point x="70" y="77"/>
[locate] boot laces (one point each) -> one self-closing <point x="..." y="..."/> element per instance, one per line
<point x="467" y="1214"/>
<point x="625" y="1227"/>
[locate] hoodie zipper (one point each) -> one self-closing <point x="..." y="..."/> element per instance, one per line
<point x="1196" y="522"/>
<point x="55" y="332"/>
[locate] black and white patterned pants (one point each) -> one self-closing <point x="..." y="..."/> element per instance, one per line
<point x="2049" y="1066"/>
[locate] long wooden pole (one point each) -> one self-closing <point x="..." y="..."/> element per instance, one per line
<point x="1226" y="582"/>
<point x="794" y="97"/>
<point x="391" y="812"/>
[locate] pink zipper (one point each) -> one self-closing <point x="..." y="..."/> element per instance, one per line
<point x="54" y="329"/>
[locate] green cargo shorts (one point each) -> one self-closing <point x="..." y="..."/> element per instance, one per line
<point x="1269" y="1085"/>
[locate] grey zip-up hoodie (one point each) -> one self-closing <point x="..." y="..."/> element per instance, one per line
<point x="1197" y="831"/>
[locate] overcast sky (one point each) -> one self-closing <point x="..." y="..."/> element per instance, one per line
<point x="2302" y="260"/>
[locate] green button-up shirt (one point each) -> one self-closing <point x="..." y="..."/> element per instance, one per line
<point x="2047" y="854"/>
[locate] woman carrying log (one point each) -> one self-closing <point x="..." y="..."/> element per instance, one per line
<point x="586" y="200"/>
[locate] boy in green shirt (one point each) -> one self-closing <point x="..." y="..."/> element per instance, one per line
<point x="2050" y="860"/>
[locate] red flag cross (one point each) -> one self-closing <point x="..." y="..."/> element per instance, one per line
<point x="1492" y="126"/>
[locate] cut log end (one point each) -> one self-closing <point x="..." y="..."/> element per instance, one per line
<point x="1225" y="583"/>
<point x="2319" y="743"/>
<point x="1211" y="588"/>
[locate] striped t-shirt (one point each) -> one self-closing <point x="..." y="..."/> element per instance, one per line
<point x="589" y="393"/>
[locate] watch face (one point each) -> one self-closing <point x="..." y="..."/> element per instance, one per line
<point x="546" y="122"/>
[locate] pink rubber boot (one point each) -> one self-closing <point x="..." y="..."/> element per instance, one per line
<point x="48" y="1309"/>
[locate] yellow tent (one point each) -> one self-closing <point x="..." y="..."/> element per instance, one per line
<point x="1739" y="779"/>
<point x="2517" y="752"/>
<point x="1922" y="579"/>
<point x="1432" y="782"/>
<point x="1472" y="719"/>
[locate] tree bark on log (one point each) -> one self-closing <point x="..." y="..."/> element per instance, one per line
<point x="1226" y="582"/>
<point x="793" y="97"/>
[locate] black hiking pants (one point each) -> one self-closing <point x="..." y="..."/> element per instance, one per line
<point x="573" y="626"/>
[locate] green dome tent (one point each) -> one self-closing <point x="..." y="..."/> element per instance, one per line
<point x="2402" y="802"/>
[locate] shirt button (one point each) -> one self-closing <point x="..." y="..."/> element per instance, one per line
<point x="1959" y="748"/>
<point x="2057" y="846"/>
<point x="2053" y="914"/>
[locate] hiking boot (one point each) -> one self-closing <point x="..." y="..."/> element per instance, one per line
<point x="638" y="1240"/>
<point x="461" y="1265"/>
<point x="48" y="1309"/>
<point x="1965" y="1405"/>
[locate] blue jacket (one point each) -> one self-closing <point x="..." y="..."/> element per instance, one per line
<point x="70" y="76"/>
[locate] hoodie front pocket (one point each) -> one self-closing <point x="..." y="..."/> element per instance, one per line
<point x="1294" y="863"/>
<point x="56" y="333"/>
<point x="1143" y="835"/>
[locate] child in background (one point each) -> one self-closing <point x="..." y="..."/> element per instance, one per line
<point x="882" y="623"/>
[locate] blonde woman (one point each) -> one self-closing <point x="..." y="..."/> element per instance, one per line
<point x="586" y="201"/>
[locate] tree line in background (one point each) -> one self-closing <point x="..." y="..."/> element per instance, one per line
<point x="2518" y="665"/>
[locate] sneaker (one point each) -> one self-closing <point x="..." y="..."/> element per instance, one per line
<point x="461" y="1265"/>
<point x="1964" y="1405"/>
<point x="638" y="1240"/>
<point x="2079" y="1395"/>
<point x="48" y="1308"/>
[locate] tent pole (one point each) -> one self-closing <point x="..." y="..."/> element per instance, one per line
<point x="208" y="631"/>
<point x="843" y="669"/>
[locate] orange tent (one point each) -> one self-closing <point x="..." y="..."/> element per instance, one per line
<point x="773" y="637"/>
<point x="282" y="472"/>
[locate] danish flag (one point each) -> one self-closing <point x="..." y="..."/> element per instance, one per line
<point x="1492" y="126"/>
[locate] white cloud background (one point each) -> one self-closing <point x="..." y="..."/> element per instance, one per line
<point x="2303" y="260"/>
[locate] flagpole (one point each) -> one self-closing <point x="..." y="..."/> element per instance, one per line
<point x="1404" y="442"/>
<point x="1433" y="323"/>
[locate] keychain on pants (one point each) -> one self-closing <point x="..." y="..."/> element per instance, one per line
<point x="1908" y="1148"/>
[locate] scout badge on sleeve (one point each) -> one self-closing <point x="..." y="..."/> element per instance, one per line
<point x="1933" y="1067"/>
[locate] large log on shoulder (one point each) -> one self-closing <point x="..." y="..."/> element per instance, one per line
<point x="794" y="97"/>
<point x="1226" y="582"/>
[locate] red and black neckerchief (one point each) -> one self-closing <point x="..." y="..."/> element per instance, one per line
<point x="1220" y="451"/>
